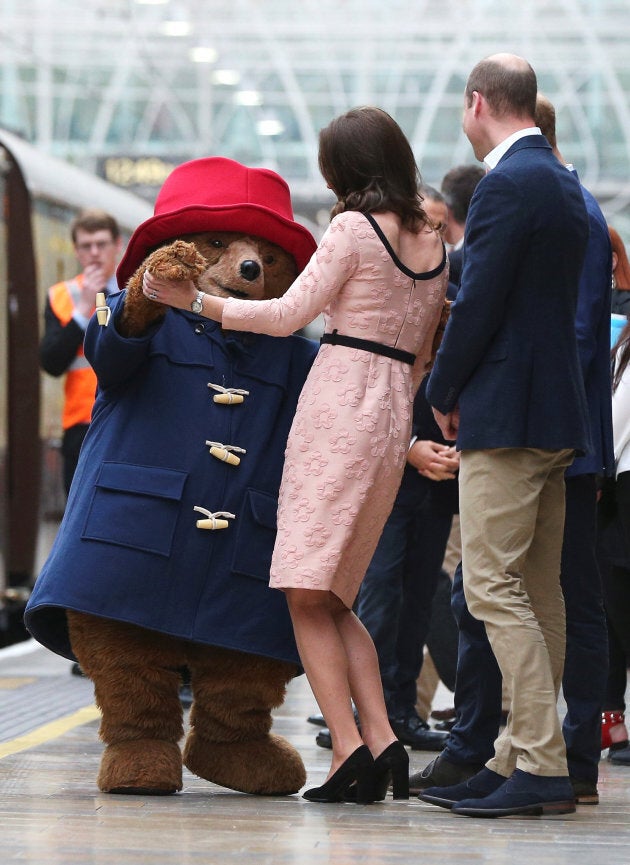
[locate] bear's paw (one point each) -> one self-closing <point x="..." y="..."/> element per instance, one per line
<point x="177" y="260"/>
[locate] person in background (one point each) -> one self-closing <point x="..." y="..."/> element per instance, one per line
<point x="615" y="557"/>
<point x="435" y="207"/>
<point x="586" y="663"/>
<point x="614" y="563"/>
<point x="450" y="208"/>
<point x="69" y="306"/>
<point x="617" y="573"/>
<point x="397" y="593"/>
<point x="507" y="384"/>
<point x="457" y="189"/>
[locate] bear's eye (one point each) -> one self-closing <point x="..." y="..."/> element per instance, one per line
<point x="217" y="243"/>
<point x="269" y="259"/>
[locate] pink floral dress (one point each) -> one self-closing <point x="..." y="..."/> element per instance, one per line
<point x="348" y="444"/>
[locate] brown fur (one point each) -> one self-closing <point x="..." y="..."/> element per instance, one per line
<point x="226" y="252"/>
<point x="136" y="685"/>
<point x="215" y="262"/>
<point x="144" y="767"/>
<point x="229" y="740"/>
<point x="178" y="260"/>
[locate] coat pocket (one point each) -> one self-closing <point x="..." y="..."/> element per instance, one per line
<point x="257" y="524"/>
<point x="135" y="506"/>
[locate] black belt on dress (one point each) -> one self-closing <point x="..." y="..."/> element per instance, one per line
<point x="336" y="338"/>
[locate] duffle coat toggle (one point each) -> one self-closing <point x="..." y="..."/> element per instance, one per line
<point x="226" y="453"/>
<point x="227" y="395"/>
<point x="217" y="520"/>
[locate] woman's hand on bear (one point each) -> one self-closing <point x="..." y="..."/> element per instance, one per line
<point x="180" y="293"/>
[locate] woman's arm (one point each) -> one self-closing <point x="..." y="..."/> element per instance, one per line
<point x="333" y="262"/>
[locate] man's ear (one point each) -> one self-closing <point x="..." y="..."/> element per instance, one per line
<point x="477" y="102"/>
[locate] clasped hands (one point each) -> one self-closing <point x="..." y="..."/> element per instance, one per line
<point x="435" y="461"/>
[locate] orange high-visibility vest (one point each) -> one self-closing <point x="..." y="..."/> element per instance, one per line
<point x="80" y="384"/>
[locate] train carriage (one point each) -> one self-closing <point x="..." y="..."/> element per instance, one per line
<point x="40" y="196"/>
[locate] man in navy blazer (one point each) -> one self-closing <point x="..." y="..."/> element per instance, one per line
<point x="507" y="385"/>
<point x="478" y="690"/>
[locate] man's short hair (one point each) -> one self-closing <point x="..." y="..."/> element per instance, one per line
<point x="508" y="88"/>
<point x="431" y="192"/>
<point x="92" y="220"/>
<point x="458" y="186"/>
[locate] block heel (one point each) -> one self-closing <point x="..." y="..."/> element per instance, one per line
<point x="356" y="773"/>
<point x="392" y="765"/>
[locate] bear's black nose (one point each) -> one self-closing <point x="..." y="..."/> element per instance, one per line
<point x="250" y="270"/>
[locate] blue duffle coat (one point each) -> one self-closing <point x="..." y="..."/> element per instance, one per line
<point x="128" y="547"/>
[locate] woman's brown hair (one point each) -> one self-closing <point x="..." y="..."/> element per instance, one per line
<point x="366" y="160"/>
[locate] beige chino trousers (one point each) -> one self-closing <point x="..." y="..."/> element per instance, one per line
<point x="512" y="504"/>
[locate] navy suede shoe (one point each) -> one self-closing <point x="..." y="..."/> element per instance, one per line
<point x="523" y="794"/>
<point x="479" y="786"/>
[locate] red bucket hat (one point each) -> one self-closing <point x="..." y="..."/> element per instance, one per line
<point x="219" y="194"/>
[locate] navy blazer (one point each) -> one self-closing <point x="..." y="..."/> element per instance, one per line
<point x="592" y="325"/>
<point x="509" y="356"/>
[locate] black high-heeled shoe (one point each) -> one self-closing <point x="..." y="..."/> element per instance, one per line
<point x="391" y="765"/>
<point x="357" y="770"/>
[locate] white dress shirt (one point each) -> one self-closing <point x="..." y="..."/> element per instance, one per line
<point x="492" y="158"/>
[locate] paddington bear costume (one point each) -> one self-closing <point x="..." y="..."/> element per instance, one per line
<point x="133" y="588"/>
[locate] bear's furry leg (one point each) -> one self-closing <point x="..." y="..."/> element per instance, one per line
<point x="229" y="742"/>
<point x="147" y="767"/>
<point x="136" y="685"/>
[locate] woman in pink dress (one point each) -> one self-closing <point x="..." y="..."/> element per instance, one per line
<point x="379" y="278"/>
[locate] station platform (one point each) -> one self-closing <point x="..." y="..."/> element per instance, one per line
<point x="51" y="812"/>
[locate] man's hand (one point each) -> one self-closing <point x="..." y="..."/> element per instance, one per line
<point x="448" y="423"/>
<point x="94" y="280"/>
<point x="433" y="460"/>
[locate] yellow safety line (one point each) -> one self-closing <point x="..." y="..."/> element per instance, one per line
<point x="49" y="731"/>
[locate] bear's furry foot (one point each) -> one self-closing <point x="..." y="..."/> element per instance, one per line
<point x="146" y="767"/>
<point x="266" y="767"/>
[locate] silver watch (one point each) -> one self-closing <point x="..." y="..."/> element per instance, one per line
<point x="197" y="304"/>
